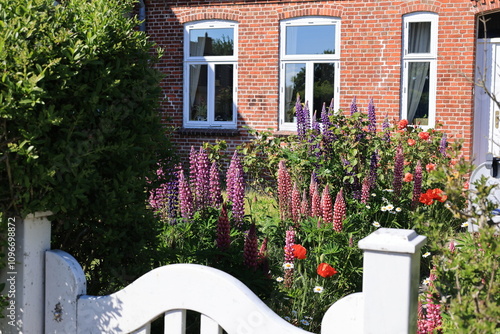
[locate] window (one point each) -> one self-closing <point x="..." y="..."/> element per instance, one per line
<point x="310" y="55"/>
<point x="418" y="98"/>
<point x="210" y="74"/>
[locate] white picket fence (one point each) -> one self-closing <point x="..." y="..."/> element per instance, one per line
<point x="51" y="294"/>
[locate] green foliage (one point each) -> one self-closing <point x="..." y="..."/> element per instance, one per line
<point x="79" y="129"/>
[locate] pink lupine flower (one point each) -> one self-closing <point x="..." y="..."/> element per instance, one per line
<point x="223" y="230"/>
<point x="202" y="187"/>
<point x="295" y="203"/>
<point x="452" y="246"/>
<point x="215" y="189"/>
<point x="417" y="185"/>
<point x="316" y="203"/>
<point x="304" y="205"/>
<point x="398" y="170"/>
<point x="339" y="210"/>
<point x="193" y="158"/>
<point x="236" y="187"/>
<point x="289" y="257"/>
<point x="327" y="206"/>
<point x="250" y="251"/>
<point x="284" y="191"/>
<point x="185" y="197"/>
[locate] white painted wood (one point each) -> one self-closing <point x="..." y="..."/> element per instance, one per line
<point x="209" y="326"/>
<point x="175" y="322"/>
<point x="181" y="286"/>
<point x="391" y="268"/>
<point x="345" y="316"/>
<point x="31" y="240"/>
<point x="65" y="282"/>
<point x="146" y="329"/>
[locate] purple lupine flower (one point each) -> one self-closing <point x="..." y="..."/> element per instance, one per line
<point x="295" y="201"/>
<point x="214" y="184"/>
<point x="339" y="210"/>
<point x="399" y="160"/>
<point x="158" y="196"/>
<point x="238" y="196"/>
<point x="417" y="185"/>
<point x="386" y="129"/>
<point x="301" y="121"/>
<point x="250" y="249"/>
<point x="223" y="230"/>
<point x="185" y="197"/>
<point x="289" y="258"/>
<point x="373" y="169"/>
<point x="284" y="191"/>
<point x="202" y="188"/>
<point x="326" y="206"/>
<point x="365" y="190"/>
<point x="442" y="145"/>
<point x="372" y="125"/>
<point x="354" y="106"/>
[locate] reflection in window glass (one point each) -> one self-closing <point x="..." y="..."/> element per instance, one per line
<point x="418" y="92"/>
<point x="419" y="35"/>
<point x="295" y="80"/>
<point x="198" y="92"/>
<point x="211" y="42"/>
<point x="324" y="83"/>
<point x="313" y="39"/>
<point x="224" y="93"/>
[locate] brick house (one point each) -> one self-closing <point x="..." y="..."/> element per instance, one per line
<point x="231" y="64"/>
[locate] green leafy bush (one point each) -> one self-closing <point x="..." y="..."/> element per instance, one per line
<point x="79" y="129"/>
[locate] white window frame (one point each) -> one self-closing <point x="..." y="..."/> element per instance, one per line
<point x="309" y="60"/>
<point x="211" y="62"/>
<point x="430" y="57"/>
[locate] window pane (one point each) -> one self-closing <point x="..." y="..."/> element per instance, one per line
<point x="313" y="39"/>
<point x="324" y="83"/>
<point x="198" y="92"/>
<point x="418" y="92"/>
<point x="295" y="79"/>
<point x="224" y="93"/>
<point x="211" y="42"/>
<point x="419" y="36"/>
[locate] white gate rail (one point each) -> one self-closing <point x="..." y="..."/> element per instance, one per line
<point x="387" y="305"/>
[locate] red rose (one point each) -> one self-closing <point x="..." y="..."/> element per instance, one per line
<point x="411" y="142"/>
<point x="408" y="177"/>
<point x="402" y="124"/>
<point x="326" y="270"/>
<point x="424" y="135"/>
<point x="430" y="167"/>
<point x="299" y="252"/>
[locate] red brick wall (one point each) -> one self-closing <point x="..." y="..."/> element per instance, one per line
<point x="371" y="41"/>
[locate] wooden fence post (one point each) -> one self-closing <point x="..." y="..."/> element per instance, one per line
<point x="391" y="275"/>
<point x="25" y="272"/>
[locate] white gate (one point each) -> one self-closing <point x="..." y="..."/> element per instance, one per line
<point x="387" y="305"/>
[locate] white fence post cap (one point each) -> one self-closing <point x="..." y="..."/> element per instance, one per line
<point x="393" y="240"/>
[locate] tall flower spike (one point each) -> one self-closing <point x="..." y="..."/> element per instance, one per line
<point x="372" y="125"/>
<point x="185" y="197"/>
<point x="327" y="206"/>
<point x="250" y="249"/>
<point x="417" y="185"/>
<point x="238" y="197"/>
<point x="301" y="121"/>
<point x="289" y="257"/>
<point x="354" y="106"/>
<point x="365" y="190"/>
<point x="193" y="164"/>
<point x="223" y="230"/>
<point x="215" y="189"/>
<point x="316" y="203"/>
<point x="304" y="205"/>
<point x="386" y="130"/>
<point x="295" y="204"/>
<point x="202" y="196"/>
<point x="284" y="191"/>
<point x="398" y="171"/>
<point x="339" y="210"/>
<point x="442" y="145"/>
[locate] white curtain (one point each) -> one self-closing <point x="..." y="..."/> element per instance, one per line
<point x="195" y="50"/>
<point x="419" y="36"/>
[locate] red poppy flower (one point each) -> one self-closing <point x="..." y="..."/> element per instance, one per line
<point x="411" y="142"/>
<point x="424" y="135"/>
<point x="325" y="270"/>
<point x="402" y="124"/>
<point x="433" y="194"/>
<point x="426" y="199"/>
<point x="299" y="252"/>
